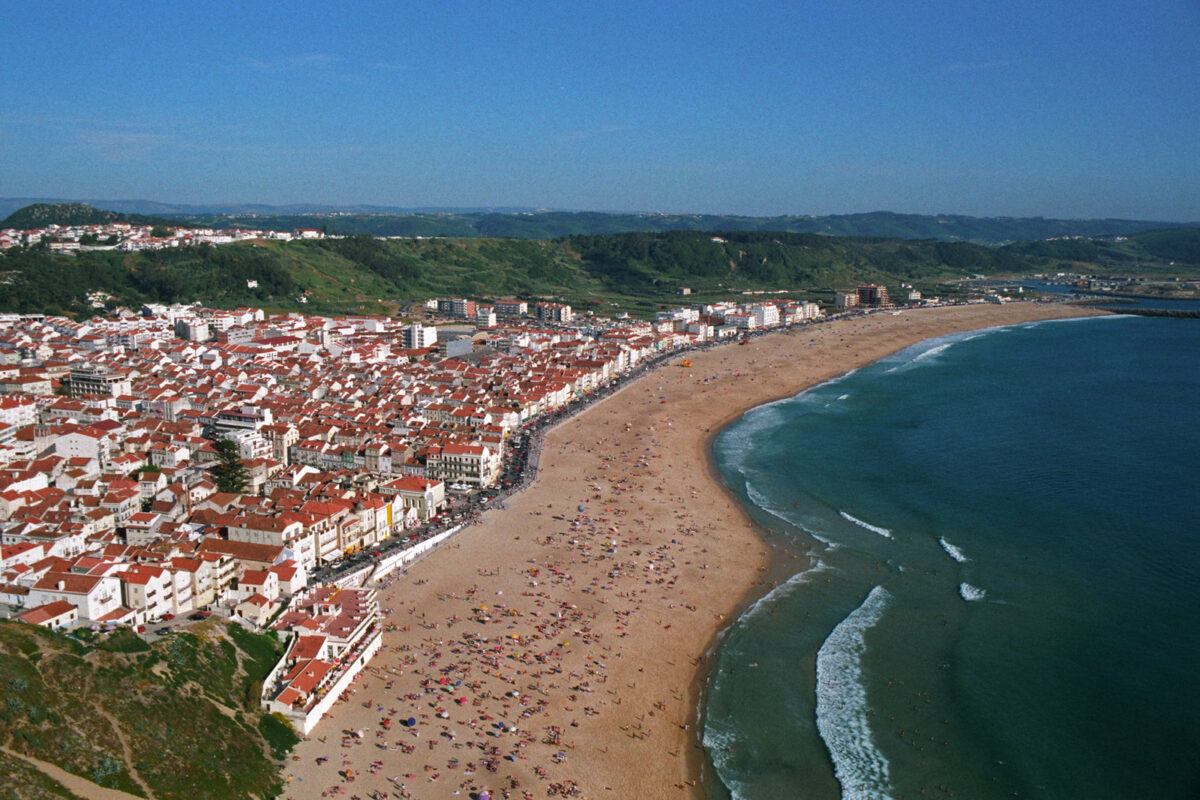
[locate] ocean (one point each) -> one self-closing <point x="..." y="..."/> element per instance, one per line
<point x="1002" y="602"/>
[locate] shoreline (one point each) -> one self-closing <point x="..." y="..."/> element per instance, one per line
<point x="569" y="615"/>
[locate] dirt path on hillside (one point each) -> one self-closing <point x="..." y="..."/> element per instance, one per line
<point x="74" y="783"/>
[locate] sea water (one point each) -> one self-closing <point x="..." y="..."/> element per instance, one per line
<point x="1002" y="600"/>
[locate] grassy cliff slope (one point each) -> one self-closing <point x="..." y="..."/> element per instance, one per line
<point x="178" y="718"/>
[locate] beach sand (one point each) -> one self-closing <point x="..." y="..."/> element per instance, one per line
<point x="548" y="651"/>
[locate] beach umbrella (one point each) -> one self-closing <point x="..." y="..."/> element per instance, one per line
<point x="412" y="722"/>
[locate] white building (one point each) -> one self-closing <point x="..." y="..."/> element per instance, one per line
<point x="426" y="497"/>
<point x="251" y="444"/>
<point x="148" y="589"/>
<point x="94" y="595"/>
<point x="766" y="315"/>
<point x="192" y="329"/>
<point x="418" y="336"/>
<point x="485" y="317"/>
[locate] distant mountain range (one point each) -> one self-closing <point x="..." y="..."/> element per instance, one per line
<point x="543" y="224"/>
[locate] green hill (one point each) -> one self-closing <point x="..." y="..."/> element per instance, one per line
<point x="176" y="719"/>
<point x="39" y="215"/>
<point x="556" y="224"/>
<point x="1164" y="250"/>
<point x="636" y="271"/>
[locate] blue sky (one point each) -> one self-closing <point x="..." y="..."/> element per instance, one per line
<point x="1053" y="108"/>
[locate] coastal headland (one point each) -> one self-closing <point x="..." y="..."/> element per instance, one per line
<point x="559" y="646"/>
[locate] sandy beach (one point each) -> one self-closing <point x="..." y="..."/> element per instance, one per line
<point x="558" y="647"/>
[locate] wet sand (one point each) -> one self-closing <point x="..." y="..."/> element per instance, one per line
<point x="553" y="651"/>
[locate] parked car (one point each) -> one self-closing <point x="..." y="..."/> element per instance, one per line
<point x="163" y="631"/>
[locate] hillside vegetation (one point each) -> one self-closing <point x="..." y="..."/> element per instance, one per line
<point x="556" y="224"/>
<point x="510" y="223"/>
<point x="636" y="271"/>
<point x="39" y="215"/>
<point x="175" y="719"/>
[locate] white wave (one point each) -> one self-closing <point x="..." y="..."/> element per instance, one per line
<point x="829" y="543"/>
<point x="843" y="397"/>
<point x="768" y="415"/>
<point x="952" y="551"/>
<point x="720" y="745"/>
<point x="762" y="501"/>
<point x="816" y="393"/>
<point x="842" y="720"/>
<point x="736" y="442"/>
<point x="971" y="593"/>
<point x="867" y="525"/>
<point x="767" y="601"/>
<point x="926" y="352"/>
<point x="933" y="352"/>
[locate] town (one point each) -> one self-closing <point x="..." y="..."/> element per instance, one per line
<point x="180" y="462"/>
<point x="127" y="237"/>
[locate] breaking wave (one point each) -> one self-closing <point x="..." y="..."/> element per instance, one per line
<point x="842" y="719"/>
<point x="867" y="525"/>
<point x="772" y="597"/>
<point x="720" y="744"/>
<point x="952" y="551"/>
<point x="723" y="740"/>
<point x="971" y="593"/>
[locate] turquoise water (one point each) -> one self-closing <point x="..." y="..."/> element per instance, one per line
<point x="1006" y="534"/>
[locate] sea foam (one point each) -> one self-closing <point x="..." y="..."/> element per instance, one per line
<point x="842" y="720"/>
<point x="761" y="501"/>
<point x="867" y="525"/>
<point x="952" y="551"/>
<point x="971" y="593"/>
<point x="722" y="740"/>
<point x="928" y="351"/>
<point x="935" y="351"/>
<point x="721" y="743"/>
<point x="772" y="597"/>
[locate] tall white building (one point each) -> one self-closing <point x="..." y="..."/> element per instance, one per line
<point x="417" y="336"/>
<point x="765" y="314"/>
